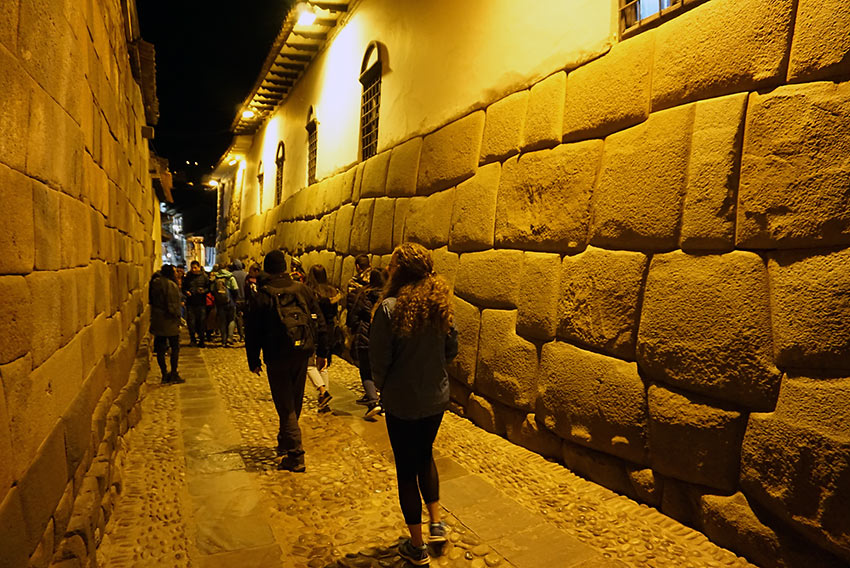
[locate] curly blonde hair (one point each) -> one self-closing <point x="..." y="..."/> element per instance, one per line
<point x="423" y="299"/>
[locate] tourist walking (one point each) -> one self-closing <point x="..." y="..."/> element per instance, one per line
<point x="328" y="297"/>
<point x="164" y="298"/>
<point x="285" y="324"/>
<point x="362" y="266"/>
<point x="196" y="284"/>
<point x="224" y="290"/>
<point x="241" y="276"/>
<point x="412" y="338"/>
<point x="360" y="320"/>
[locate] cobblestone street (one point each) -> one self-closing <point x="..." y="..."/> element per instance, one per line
<point x="200" y="488"/>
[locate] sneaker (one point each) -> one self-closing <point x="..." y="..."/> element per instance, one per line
<point x="363" y="401"/>
<point x="325" y="399"/>
<point x="292" y="463"/>
<point x="174" y="378"/>
<point x="416" y="555"/>
<point x="438" y="532"/>
<point x="373" y="410"/>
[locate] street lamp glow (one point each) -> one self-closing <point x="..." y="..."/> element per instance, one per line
<point x="248" y="114"/>
<point x="213" y="183"/>
<point x="306" y="15"/>
<point x="232" y="162"/>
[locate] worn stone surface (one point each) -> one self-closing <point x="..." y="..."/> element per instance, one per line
<point x="507" y="363"/>
<point x="48" y="255"/>
<point x="708" y="217"/>
<point x="46" y="293"/>
<point x="544" y="196"/>
<point x="796" y="460"/>
<point x="374" y="182"/>
<point x="74" y="232"/>
<point x="638" y="200"/>
<point x="43" y="484"/>
<point x="16" y="318"/>
<point x="14" y="114"/>
<point x="794" y="170"/>
<point x="491" y="278"/>
<point x="7" y="470"/>
<point x="544" y="119"/>
<point x="483" y="414"/>
<point x="342" y="228"/>
<point x="381" y="239"/>
<point x="467" y="321"/>
<point x="695" y="307"/>
<point x="538" y="303"/>
<point x="593" y="400"/>
<point x="403" y="168"/>
<point x="450" y="155"/>
<point x="17" y="239"/>
<point x="692" y="51"/>
<point x="13" y="530"/>
<point x="693" y="438"/>
<point x="445" y="264"/>
<point x="402" y="206"/>
<point x="474" y="212"/>
<point x="529" y="433"/>
<point x="429" y="219"/>
<point x="503" y="128"/>
<point x="598" y="300"/>
<point x="612" y="92"/>
<point x="821" y="46"/>
<point x="647" y="485"/>
<point x="358" y="182"/>
<point x="598" y="467"/>
<point x="810" y="297"/>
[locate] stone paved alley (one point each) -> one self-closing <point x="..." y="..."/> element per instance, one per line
<point x="200" y="488"/>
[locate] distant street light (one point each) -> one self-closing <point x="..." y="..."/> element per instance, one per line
<point x="247" y="114"/>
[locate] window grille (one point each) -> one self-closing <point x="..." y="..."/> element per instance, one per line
<point x="278" y="174"/>
<point x="370" y="102"/>
<point x="260" y="187"/>
<point x="312" y="147"/>
<point x="638" y="15"/>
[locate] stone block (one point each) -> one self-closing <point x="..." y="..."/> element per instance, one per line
<point x="821" y="45"/>
<point x="503" y="127"/>
<point x="361" y="226"/>
<point x="17" y="239"/>
<point x="54" y="145"/>
<point x="708" y="217"/>
<point x="358" y="182"/>
<point x="347" y="271"/>
<point x="593" y="400"/>
<point x="14" y="540"/>
<point x="598" y="305"/>
<point x="544" y="120"/>
<point x="795" y="461"/>
<point x="794" y="170"/>
<point x="7" y="466"/>
<point x="695" y="307"/>
<point x="681" y="501"/>
<point x="348" y="179"/>
<point x="612" y="92"/>
<point x="467" y="321"/>
<point x="637" y="203"/>
<point x="15" y="110"/>
<point x="429" y="219"/>
<point x="693" y="438"/>
<point x="402" y="206"/>
<point x="381" y="238"/>
<point x="16" y="380"/>
<point x="374" y="182"/>
<point x="482" y="412"/>
<point x="9" y="24"/>
<point x="544" y="197"/>
<point x="810" y="298"/>
<point x="459" y="393"/>
<point x="474" y="212"/>
<point x="529" y="434"/>
<point x="538" y="301"/>
<point x="450" y="155"/>
<point x="647" y="485"/>
<point x="693" y="59"/>
<point x="16" y="318"/>
<point x="491" y="278"/>
<point x="404" y="168"/>
<point x="598" y="467"/>
<point x="507" y="364"/>
<point x="342" y="228"/>
<point x="45" y="290"/>
<point x="69" y="317"/>
<point x="48" y="251"/>
<point x="77" y="421"/>
<point x="333" y="192"/>
<point x="445" y="264"/>
<point x="75" y="232"/>
<point x="43" y="484"/>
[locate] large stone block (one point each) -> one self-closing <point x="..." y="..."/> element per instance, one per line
<point x="54" y="145"/>
<point x="708" y="217"/>
<point x="821" y="46"/>
<point x="601" y="468"/>
<point x="17" y="239"/>
<point x="404" y="168"/>
<point x="693" y="51"/>
<point x="445" y="264"/>
<point x="474" y="212"/>
<point x="402" y="206"/>
<point x="374" y="182"/>
<point x="15" y="110"/>
<point x="529" y="434"/>
<point x="16" y="318"/>
<point x="75" y="232"/>
<point x="361" y="226"/>
<point x="810" y="297"/>
<point x="381" y="239"/>
<point x="544" y="196"/>
<point x="13" y="531"/>
<point x="9" y="26"/>
<point x="796" y="460"/>
<point x="48" y="250"/>
<point x="450" y="155"/>
<point x="696" y="307"/>
<point x="342" y="228"/>
<point x="593" y="400"/>
<point x="638" y="200"/>
<point x="611" y="93"/>
<point x="347" y="189"/>
<point x="47" y="296"/>
<point x="483" y="413"/>
<point x="429" y="219"/>
<point x="43" y="484"/>
<point x="794" y="171"/>
<point x="600" y="291"/>
<point x="503" y="127"/>
<point x="7" y="470"/>
<point x="467" y="321"/>
<point x="69" y="317"/>
<point x="537" y="302"/>
<point x="490" y="278"/>
<point x="358" y="182"/>
<point x="694" y="439"/>
<point x="544" y="120"/>
<point x="507" y="363"/>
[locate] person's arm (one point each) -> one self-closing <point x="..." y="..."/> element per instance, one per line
<point x="380" y="346"/>
<point x="253" y="332"/>
<point x="173" y="300"/>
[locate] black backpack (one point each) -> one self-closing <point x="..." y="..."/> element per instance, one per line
<point x="220" y="292"/>
<point x="296" y="318"/>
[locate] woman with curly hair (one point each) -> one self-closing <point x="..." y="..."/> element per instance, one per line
<point x="411" y="340"/>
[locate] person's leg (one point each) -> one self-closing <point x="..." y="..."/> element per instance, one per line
<point x="286" y="380"/>
<point x="314" y="375"/>
<point x="366" y="376"/>
<point x="427" y="476"/>
<point x="160" y="346"/>
<point x="190" y="323"/>
<point x="402" y="437"/>
<point x="174" y="342"/>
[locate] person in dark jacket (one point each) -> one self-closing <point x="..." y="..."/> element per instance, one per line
<point x="196" y="284"/>
<point x="411" y="340"/>
<point x="328" y="297"/>
<point x="360" y="320"/>
<point x="238" y="271"/>
<point x="286" y="366"/>
<point x="164" y="298"/>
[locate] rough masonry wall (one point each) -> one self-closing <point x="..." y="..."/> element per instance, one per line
<point x="651" y="262"/>
<point x="77" y="249"/>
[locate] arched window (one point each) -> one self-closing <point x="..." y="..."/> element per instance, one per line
<point x="312" y="146"/>
<point x="278" y="174"/>
<point x="370" y="101"/>
<point x="260" y="187"/>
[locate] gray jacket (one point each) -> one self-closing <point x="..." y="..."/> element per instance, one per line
<point x="164" y="297"/>
<point x="410" y="371"/>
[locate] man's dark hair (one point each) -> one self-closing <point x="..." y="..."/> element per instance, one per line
<point x="362" y="262"/>
<point x="195" y="263"/>
<point x="167" y="270"/>
<point x="274" y="263"/>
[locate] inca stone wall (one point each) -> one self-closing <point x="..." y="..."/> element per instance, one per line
<point x="77" y="249"/>
<point x="651" y="261"/>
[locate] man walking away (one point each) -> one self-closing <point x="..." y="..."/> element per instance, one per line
<point x="240" y="275"/>
<point x="224" y="290"/>
<point x="195" y="287"/>
<point x="284" y="321"/>
<point x="164" y="298"/>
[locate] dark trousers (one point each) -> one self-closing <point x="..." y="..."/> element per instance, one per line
<point x="225" y="315"/>
<point x="196" y="317"/>
<point x="161" y="343"/>
<point x="287" y="376"/>
<point x="412" y="442"/>
<point x="366" y="375"/>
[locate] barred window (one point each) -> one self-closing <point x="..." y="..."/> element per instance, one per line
<point x="370" y="102"/>
<point x="260" y="187"/>
<point x="638" y="15"/>
<point x="312" y="147"/>
<point x="278" y="174"/>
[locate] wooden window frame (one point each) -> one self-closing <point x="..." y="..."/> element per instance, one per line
<point x="370" y="100"/>
<point x="631" y="24"/>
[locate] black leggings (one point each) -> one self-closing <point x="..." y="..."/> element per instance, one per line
<point x="412" y="442"/>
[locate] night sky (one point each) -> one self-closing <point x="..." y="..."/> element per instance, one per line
<point x="208" y="56"/>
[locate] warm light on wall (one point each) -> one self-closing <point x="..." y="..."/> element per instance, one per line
<point x="306" y="15"/>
